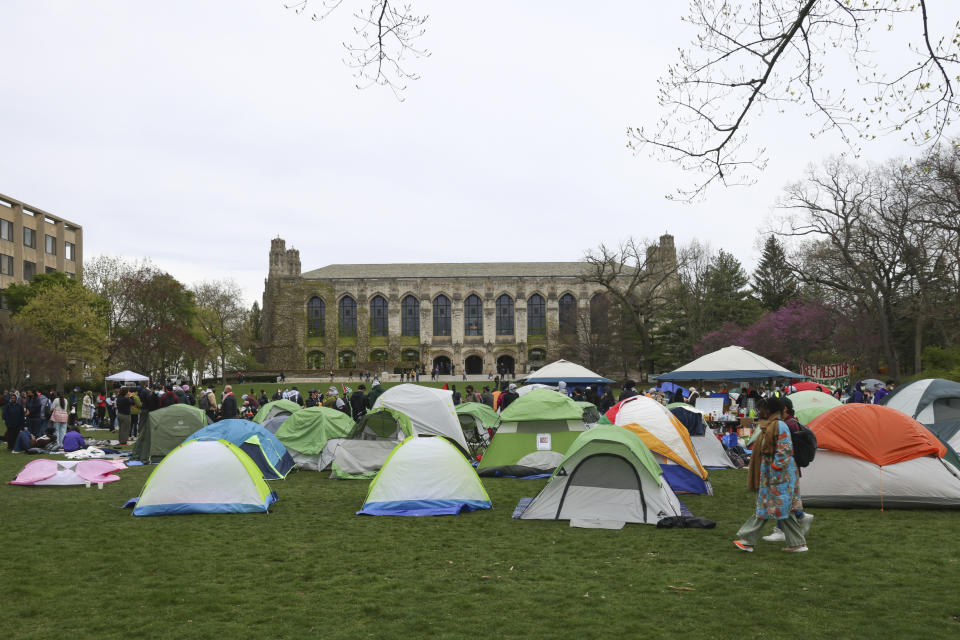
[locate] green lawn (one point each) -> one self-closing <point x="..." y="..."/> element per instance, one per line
<point x="77" y="565"/>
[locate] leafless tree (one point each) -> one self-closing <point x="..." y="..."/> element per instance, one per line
<point x="384" y="43"/>
<point x="764" y="54"/>
<point x="637" y="276"/>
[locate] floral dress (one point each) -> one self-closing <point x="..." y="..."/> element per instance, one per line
<point x="779" y="493"/>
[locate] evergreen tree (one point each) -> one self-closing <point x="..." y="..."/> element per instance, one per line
<point x="773" y="282"/>
<point x="727" y="292"/>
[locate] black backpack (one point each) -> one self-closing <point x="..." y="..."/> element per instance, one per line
<point x="204" y="402"/>
<point x="804" y="445"/>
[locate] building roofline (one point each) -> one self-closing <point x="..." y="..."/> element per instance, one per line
<point x="37" y="210"/>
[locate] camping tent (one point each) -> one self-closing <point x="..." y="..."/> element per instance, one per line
<point x="730" y="363"/>
<point x="430" y="410"/>
<point x="535" y="432"/>
<point x="607" y="478"/>
<point x="204" y="476"/>
<point x="875" y="456"/>
<point x="166" y="428"/>
<point x="667" y="438"/>
<point x="568" y="372"/>
<point x="305" y="435"/>
<point x="527" y="388"/>
<point x="276" y="408"/>
<point x="127" y="376"/>
<point x="705" y="443"/>
<point x="361" y="452"/>
<point x="812" y="386"/>
<point x="947" y="432"/>
<point x="43" y="472"/>
<point x="263" y="447"/>
<point x="928" y="401"/>
<point x="807" y="405"/>
<point x="425" y="476"/>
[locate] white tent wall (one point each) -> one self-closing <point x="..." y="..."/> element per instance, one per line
<point x="430" y="410"/>
<point x="657" y="419"/>
<point x="839" y="480"/>
<point x="906" y="399"/>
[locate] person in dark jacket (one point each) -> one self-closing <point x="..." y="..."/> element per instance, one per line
<point x="124" y="404"/>
<point x="34" y="410"/>
<point x="228" y="406"/>
<point x="15" y="419"/>
<point x="375" y="392"/>
<point x="358" y="402"/>
<point x="508" y="396"/>
<point x="606" y="401"/>
<point x="629" y="390"/>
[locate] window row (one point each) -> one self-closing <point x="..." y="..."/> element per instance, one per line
<point x="30" y="240"/>
<point x="442" y="316"/>
<point x="348" y="359"/>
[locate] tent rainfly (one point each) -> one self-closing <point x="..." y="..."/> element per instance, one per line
<point x="276" y="408"/>
<point x="929" y="401"/>
<point x="431" y="411"/>
<point x="730" y="363"/>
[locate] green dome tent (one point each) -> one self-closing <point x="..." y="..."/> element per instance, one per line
<point x="607" y="478"/>
<point x="807" y="405"/>
<point x="534" y="434"/>
<point x="277" y="407"/>
<point x="306" y="432"/>
<point x="165" y="429"/>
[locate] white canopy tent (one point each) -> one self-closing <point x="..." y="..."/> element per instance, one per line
<point x="569" y="372"/>
<point x="127" y="376"/>
<point x="730" y="363"/>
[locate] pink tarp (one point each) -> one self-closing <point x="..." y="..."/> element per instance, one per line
<point x="45" y="472"/>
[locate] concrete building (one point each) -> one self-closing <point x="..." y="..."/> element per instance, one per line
<point x="33" y="241"/>
<point x="470" y="317"/>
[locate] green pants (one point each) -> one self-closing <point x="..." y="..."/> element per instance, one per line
<point x="123" y="421"/>
<point x="751" y="529"/>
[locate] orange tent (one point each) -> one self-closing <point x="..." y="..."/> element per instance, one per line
<point x="874" y="433"/>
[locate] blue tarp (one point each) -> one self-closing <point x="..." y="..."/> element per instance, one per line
<point x="422" y="507"/>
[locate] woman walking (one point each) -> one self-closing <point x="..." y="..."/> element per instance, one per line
<point x="59" y="417"/>
<point x="773" y="475"/>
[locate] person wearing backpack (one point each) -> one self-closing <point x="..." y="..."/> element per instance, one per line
<point x="805" y="519"/>
<point x="773" y="475"/>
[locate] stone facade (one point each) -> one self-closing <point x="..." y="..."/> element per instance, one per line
<point x="308" y="322"/>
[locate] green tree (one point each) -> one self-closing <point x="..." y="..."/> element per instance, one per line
<point x="68" y="321"/>
<point x="773" y="281"/>
<point x="19" y="295"/>
<point x="221" y="318"/>
<point x="727" y="293"/>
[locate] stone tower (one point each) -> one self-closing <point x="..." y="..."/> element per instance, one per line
<point x="284" y="263"/>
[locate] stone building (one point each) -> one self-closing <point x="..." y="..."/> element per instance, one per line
<point x="470" y="317"/>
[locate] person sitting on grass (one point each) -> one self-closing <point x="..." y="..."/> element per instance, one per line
<point x="73" y="440"/>
<point x="47" y="439"/>
<point x="24" y="441"/>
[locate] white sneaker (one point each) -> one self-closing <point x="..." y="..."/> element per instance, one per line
<point x="805" y="523"/>
<point x="776" y="536"/>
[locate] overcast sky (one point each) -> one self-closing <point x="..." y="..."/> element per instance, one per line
<point x="194" y="132"/>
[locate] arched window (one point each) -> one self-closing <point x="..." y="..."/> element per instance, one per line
<point x="410" y="316"/>
<point x="504" y="315"/>
<point x="346" y="360"/>
<point x="378" y="316"/>
<point x="378" y="355"/>
<point x="315" y="360"/>
<point x="316" y="312"/>
<point x="348" y="316"/>
<point x="409" y="356"/>
<point x="536" y="315"/>
<point x="473" y="316"/>
<point x="441" y="316"/>
<point x="599" y="313"/>
<point x="568" y="314"/>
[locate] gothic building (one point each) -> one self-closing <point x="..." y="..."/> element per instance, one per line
<point x="476" y="317"/>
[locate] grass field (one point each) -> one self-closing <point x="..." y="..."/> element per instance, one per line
<point x="77" y="565"/>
